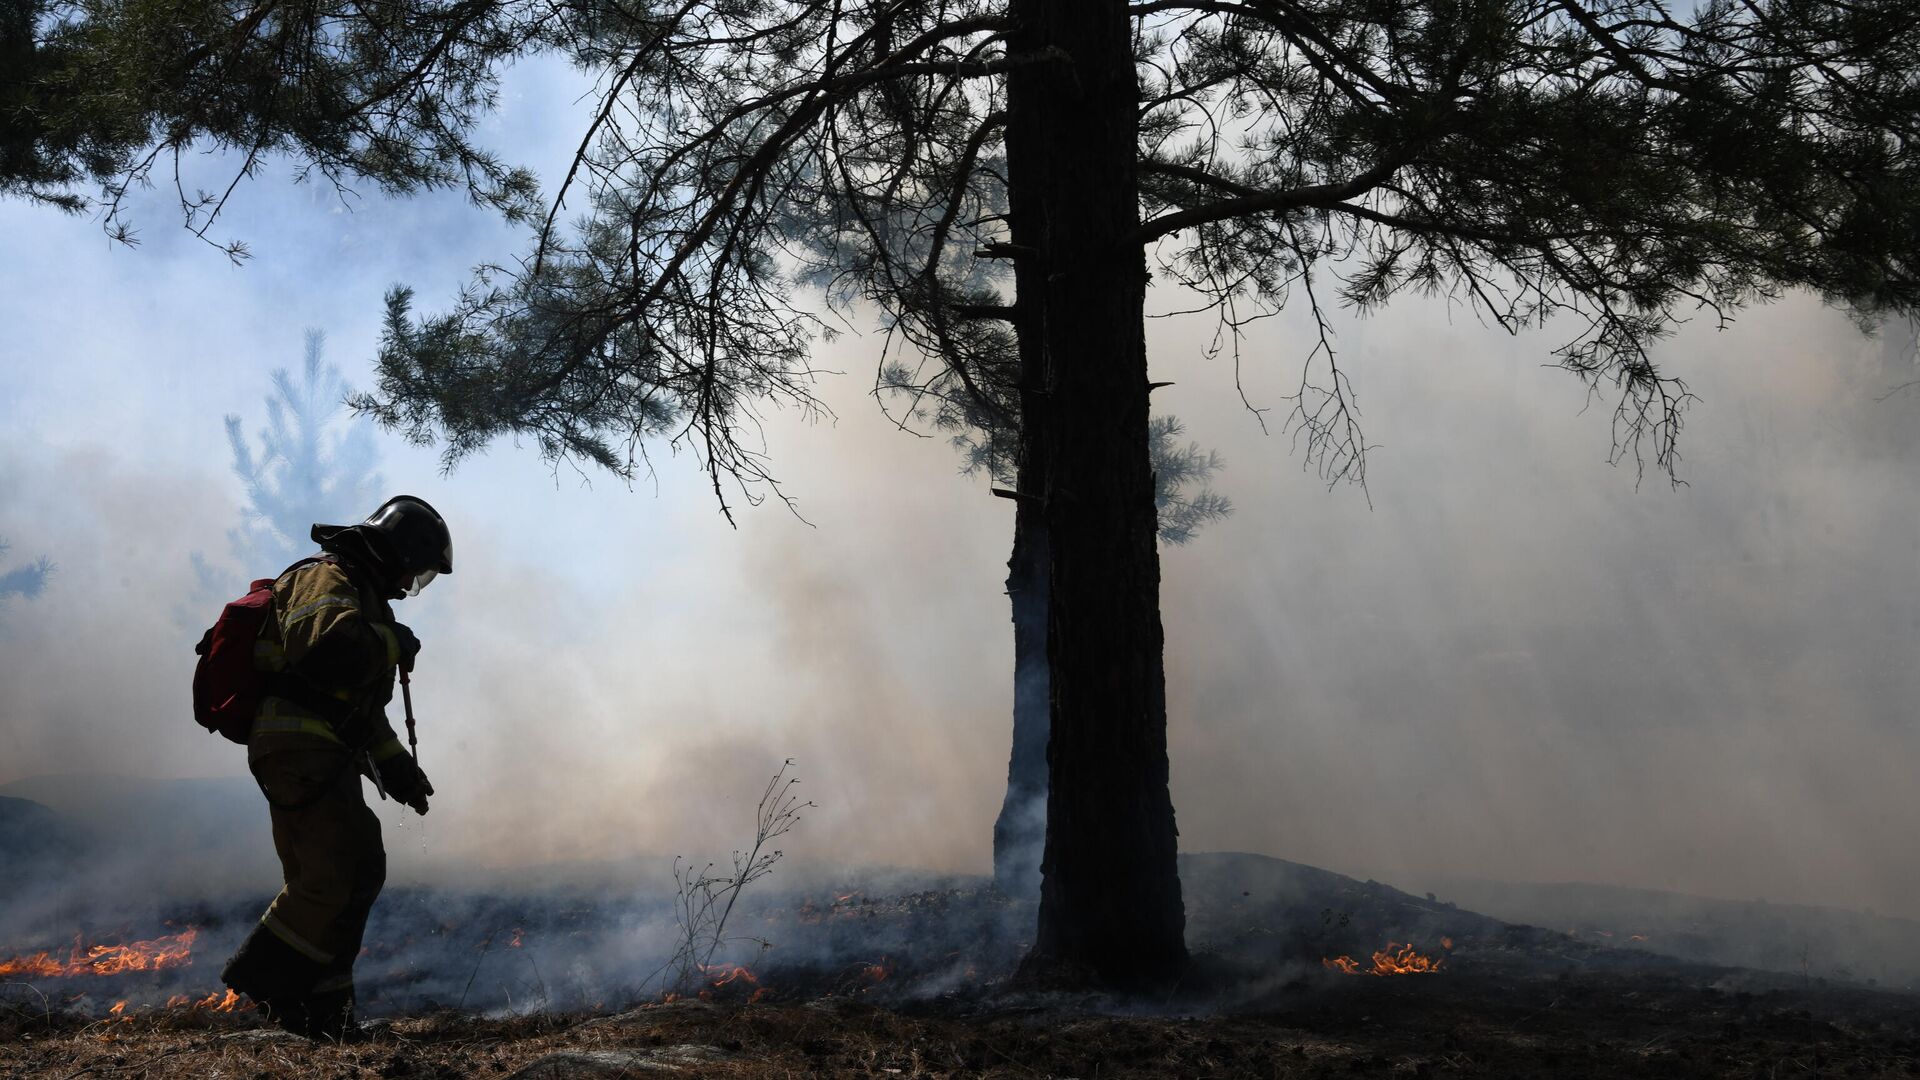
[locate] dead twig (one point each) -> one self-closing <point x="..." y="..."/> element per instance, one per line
<point x="484" y="946"/>
<point x="703" y="900"/>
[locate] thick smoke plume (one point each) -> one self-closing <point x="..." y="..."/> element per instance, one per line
<point x="1507" y="659"/>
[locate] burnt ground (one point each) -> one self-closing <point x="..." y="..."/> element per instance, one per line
<point x="916" y="983"/>
<point x="1589" y="1024"/>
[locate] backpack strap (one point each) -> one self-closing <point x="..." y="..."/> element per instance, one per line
<point x="291" y="687"/>
<point x="336" y="713"/>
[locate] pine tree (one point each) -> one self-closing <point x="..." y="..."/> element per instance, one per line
<point x="1611" y="166"/>
<point x="315" y="463"/>
<point x="104" y="96"/>
<point x="1184" y="503"/>
<point x="994" y="176"/>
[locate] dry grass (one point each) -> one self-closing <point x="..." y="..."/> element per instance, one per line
<point x="1589" y="1027"/>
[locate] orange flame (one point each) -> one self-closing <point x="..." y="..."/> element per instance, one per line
<point x="172" y="950"/>
<point x="118" y="1008"/>
<point x="719" y="976"/>
<point x="216" y="1002"/>
<point x="1395" y="959"/>
<point x="726" y="973"/>
<point x="519" y="938"/>
<point x="1404" y="961"/>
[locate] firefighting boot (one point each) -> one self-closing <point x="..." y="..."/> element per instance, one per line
<point x="331" y="1013"/>
<point x="274" y="974"/>
<point x="291" y="1014"/>
<point x="331" y="1009"/>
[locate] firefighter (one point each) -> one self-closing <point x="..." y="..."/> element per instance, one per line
<point x="332" y="646"/>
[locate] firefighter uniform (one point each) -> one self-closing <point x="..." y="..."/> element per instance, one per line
<point x="333" y="647"/>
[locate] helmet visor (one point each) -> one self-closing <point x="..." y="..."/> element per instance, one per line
<point x="419" y="581"/>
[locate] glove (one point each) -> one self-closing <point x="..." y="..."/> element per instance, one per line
<point x="406" y="783"/>
<point x="409" y="645"/>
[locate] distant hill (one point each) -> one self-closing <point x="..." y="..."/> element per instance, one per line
<point x="1819" y="942"/>
<point x="109" y="804"/>
<point x="33" y="840"/>
<point x="99" y="839"/>
<point x="29" y="829"/>
<point x="1248" y="907"/>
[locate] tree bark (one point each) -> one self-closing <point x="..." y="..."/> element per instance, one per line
<point x="1020" y="832"/>
<point x="1110" y="906"/>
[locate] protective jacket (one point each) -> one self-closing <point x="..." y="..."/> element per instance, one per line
<point x="331" y="641"/>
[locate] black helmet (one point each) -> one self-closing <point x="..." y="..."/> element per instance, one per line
<point x="407" y="538"/>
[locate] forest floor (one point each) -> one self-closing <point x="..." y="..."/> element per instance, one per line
<point x="886" y="984"/>
<point x="1680" y="1024"/>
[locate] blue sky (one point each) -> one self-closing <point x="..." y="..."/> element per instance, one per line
<point x="1516" y="662"/>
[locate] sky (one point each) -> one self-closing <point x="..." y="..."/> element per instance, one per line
<point x="1506" y="658"/>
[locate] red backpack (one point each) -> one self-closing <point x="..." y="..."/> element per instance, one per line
<point x="227" y="687"/>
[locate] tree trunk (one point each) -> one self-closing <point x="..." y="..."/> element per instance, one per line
<point x="1020" y="833"/>
<point x="1110" y="905"/>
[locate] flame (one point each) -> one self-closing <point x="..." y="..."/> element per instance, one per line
<point x="216" y="1002"/>
<point x="722" y="975"/>
<point x="760" y="994"/>
<point x="519" y="938"/>
<point x="719" y="976"/>
<point x="726" y="973"/>
<point x="1395" y="959"/>
<point x="1403" y="962"/>
<point x="877" y="972"/>
<point x="1637" y="937"/>
<point x="1446" y="943"/>
<point x="178" y="1000"/>
<point x="118" y="1008"/>
<point x="174" y="950"/>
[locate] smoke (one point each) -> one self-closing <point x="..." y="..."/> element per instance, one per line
<point x="1522" y="662"/>
<point x="1518" y="662"/>
<point x="24" y="581"/>
<point x="1507" y="658"/>
<point x="644" y="717"/>
<point x="315" y="463"/>
<point x="91" y="672"/>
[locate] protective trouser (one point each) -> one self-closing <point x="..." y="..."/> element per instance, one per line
<point x="298" y="962"/>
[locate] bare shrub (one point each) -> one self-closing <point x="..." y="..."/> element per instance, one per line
<point x="704" y="899"/>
